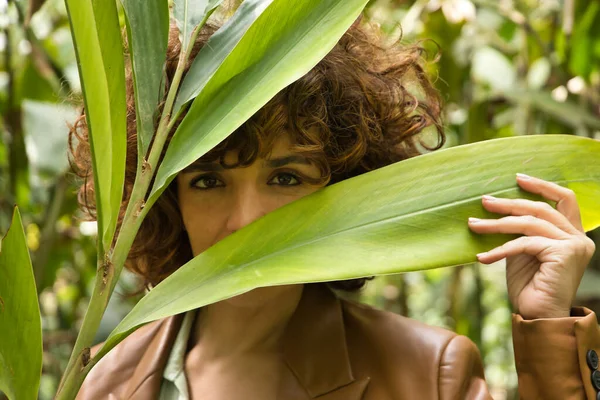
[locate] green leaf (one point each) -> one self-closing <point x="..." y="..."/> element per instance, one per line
<point x="218" y="47"/>
<point x="408" y="216"/>
<point x="191" y="13"/>
<point x="30" y="84"/>
<point x="280" y="47"/>
<point x="21" y="333"/>
<point x="147" y="33"/>
<point x="99" y="50"/>
<point x="582" y="55"/>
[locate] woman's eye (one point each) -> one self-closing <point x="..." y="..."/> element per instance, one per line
<point x="285" y="179"/>
<point x="206" y="182"/>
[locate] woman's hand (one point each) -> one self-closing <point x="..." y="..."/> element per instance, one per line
<point x="544" y="267"/>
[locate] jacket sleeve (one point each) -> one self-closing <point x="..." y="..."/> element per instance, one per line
<point x="461" y="372"/>
<point x="555" y="357"/>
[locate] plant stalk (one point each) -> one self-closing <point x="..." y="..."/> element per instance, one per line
<point x="111" y="264"/>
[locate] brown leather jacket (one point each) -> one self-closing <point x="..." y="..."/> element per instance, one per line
<point x="339" y="350"/>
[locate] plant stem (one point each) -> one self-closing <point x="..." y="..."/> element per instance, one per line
<point x="72" y="382"/>
<point x="111" y="264"/>
<point x="166" y="123"/>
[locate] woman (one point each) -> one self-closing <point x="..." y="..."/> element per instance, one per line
<point x="352" y="113"/>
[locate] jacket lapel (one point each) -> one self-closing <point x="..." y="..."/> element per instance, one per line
<point x="147" y="378"/>
<point x="315" y="347"/>
<point x="353" y="391"/>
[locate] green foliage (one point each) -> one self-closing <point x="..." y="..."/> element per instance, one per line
<point x="268" y="57"/>
<point x="21" y="333"/>
<point x="97" y="40"/>
<point x="550" y="53"/>
<point x="282" y="45"/>
<point x="567" y="112"/>
<point x="585" y="51"/>
<point x="338" y="237"/>
<point x="190" y="14"/>
<point x="539" y="39"/>
<point x="147" y="35"/>
<point x="219" y="46"/>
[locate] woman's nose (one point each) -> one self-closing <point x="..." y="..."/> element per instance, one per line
<point x="246" y="208"/>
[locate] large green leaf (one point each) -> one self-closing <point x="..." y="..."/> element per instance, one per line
<point x="405" y="217"/>
<point x="218" y="47"/>
<point x="282" y="45"/>
<point x="97" y="40"/>
<point x="147" y="33"/>
<point x="191" y="13"/>
<point x="21" y="328"/>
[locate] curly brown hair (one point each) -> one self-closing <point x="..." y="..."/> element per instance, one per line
<point x="359" y="99"/>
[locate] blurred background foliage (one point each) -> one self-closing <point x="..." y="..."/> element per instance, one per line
<point x="506" y="68"/>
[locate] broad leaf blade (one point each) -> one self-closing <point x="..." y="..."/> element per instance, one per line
<point x="408" y="216"/>
<point x="218" y="47"/>
<point x="191" y="13"/>
<point x="99" y="50"/>
<point x="147" y="31"/>
<point x="21" y="332"/>
<point x="280" y="47"/>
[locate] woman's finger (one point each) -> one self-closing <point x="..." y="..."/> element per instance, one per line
<point x="566" y="201"/>
<point x="537" y="209"/>
<point x="527" y="225"/>
<point x="531" y="245"/>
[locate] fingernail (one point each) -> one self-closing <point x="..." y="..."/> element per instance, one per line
<point x="523" y="176"/>
<point x="474" y="220"/>
<point x="481" y="254"/>
<point x="488" y="197"/>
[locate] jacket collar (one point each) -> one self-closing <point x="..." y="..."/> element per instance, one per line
<point x="315" y="345"/>
<point x="147" y="377"/>
<point x="314" y="349"/>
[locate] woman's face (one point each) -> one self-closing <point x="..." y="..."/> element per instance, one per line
<point x="216" y="202"/>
